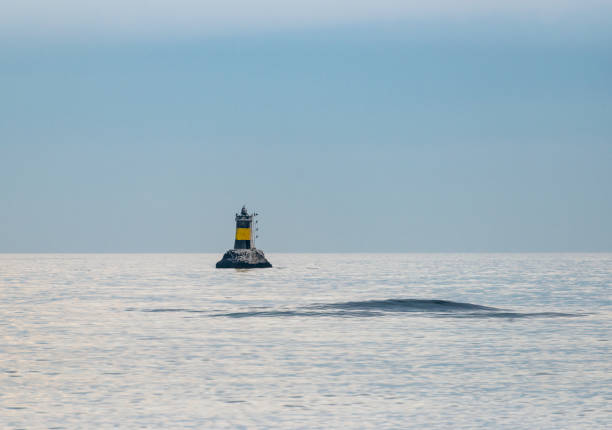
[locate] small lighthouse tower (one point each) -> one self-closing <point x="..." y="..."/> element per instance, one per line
<point x="244" y="255"/>
<point x="244" y="230"/>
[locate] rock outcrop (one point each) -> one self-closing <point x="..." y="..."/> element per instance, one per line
<point x="243" y="259"/>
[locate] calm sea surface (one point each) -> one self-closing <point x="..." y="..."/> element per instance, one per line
<point x="441" y="341"/>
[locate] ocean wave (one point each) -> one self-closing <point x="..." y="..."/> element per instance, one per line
<point x="377" y="308"/>
<point x="407" y="305"/>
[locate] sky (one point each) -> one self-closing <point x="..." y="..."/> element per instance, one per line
<point x="388" y="126"/>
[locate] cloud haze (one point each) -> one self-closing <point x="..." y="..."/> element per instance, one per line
<point x="156" y="18"/>
<point x="438" y="126"/>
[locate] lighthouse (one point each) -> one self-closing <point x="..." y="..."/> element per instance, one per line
<point x="244" y="229"/>
<point x="244" y="255"/>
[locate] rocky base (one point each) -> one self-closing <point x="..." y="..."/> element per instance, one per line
<point x="243" y="259"/>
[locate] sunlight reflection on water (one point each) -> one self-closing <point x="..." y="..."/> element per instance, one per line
<point x="319" y="341"/>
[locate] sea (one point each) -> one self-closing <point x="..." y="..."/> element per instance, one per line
<point x="319" y="341"/>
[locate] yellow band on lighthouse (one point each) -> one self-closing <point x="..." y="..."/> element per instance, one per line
<point x="243" y="234"/>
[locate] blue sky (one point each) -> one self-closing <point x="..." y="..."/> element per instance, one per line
<point x="378" y="128"/>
